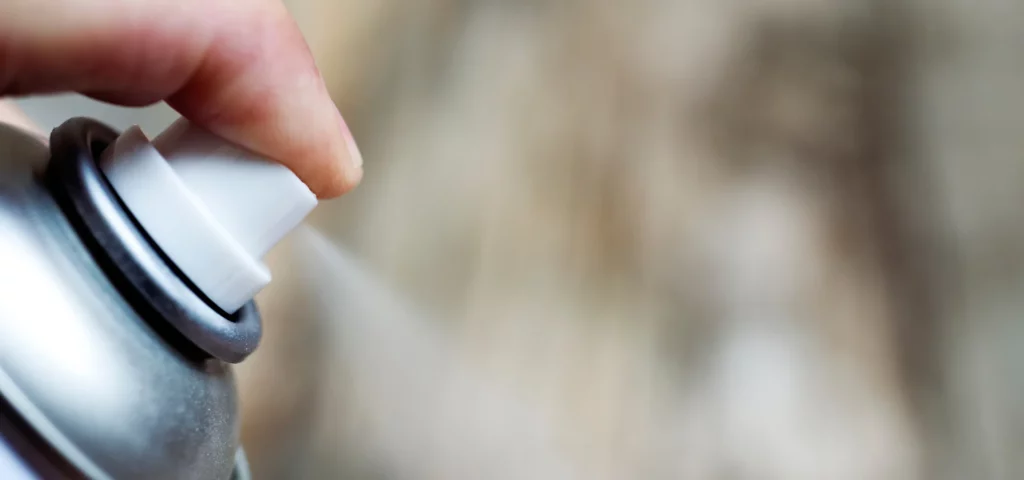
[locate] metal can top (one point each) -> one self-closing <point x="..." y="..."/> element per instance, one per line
<point x="100" y="384"/>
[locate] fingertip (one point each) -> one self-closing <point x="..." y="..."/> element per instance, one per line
<point x="327" y="158"/>
<point x="264" y="92"/>
<point x="343" y="179"/>
<point x="352" y="178"/>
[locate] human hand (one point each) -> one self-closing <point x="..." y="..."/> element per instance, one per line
<point x="239" y="68"/>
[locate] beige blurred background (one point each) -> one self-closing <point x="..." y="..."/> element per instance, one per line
<point x="657" y="239"/>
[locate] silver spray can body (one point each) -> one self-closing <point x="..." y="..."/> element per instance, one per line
<point x="104" y="365"/>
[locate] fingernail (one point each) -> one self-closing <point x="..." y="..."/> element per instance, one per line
<point x="350" y="144"/>
<point x="353" y="151"/>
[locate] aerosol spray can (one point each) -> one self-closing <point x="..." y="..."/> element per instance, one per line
<point x="127" y="272"/>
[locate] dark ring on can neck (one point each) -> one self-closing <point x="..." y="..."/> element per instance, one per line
<point x="143" y="274"/>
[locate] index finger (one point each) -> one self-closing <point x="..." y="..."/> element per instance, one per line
<point x="241" y="69"/>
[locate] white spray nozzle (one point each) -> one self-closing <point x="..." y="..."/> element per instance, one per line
<point x="213" y="208"/>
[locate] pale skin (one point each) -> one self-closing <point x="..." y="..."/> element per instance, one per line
<point x="240" y="68"/>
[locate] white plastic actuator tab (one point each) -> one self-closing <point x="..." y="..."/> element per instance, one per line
<point x="213" y="208"/>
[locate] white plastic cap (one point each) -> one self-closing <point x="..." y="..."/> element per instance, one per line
<point x="214" y="208"/>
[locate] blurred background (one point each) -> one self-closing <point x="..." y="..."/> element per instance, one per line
<point x="652" y="239"/>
